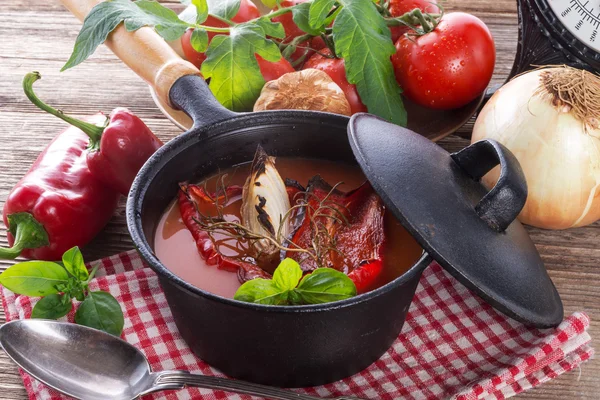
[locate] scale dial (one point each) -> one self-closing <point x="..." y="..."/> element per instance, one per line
<point x="581" y="18"/>
<point x="573" y="27"/>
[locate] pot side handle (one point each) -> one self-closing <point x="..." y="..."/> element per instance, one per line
<point x="501" y="205"/>
<point x="143" y="50"/>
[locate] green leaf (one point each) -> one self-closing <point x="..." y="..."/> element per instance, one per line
<point x="165" y="21"/>
<point x="287" y="274"/>
<point x="319" y="9"/>
<point x="325" y="285"/>
<point x="102" y="311"/>
<point x="261" y="291"/>
<point x="34" y="278"/>
<point x="273" y="29"/>
<point x="224" y="8"/>
<point x="106" y="16"/>
<point x="52" y="306"/>
<point x="231" y="66"/>
<point x="201" y="10"/>
<point x="74" y="264"/>
<point x="363" y="40"/>
<point x="199" y="40"/>
<point x="300" y="15"/>
<point x="270" y="3"/>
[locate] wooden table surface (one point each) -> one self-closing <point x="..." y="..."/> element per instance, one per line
<point x="39" y="35"/>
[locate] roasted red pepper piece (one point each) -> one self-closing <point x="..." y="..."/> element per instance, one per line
<point x="189" y="197"/>
<point x="358" y="233"/>
<point x="59" y="202"/>
<point x="118" y="147"/>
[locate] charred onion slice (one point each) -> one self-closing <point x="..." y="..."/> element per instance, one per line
<point x="265" y="204"/>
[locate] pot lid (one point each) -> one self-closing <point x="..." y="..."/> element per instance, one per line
<point x="470" y="231"/>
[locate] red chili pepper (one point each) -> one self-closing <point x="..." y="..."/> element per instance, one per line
<point x="188" y="196"/>
<point x="59" y="203"/>
<point x="117" y="148"/>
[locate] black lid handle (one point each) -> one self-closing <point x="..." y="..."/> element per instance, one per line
<point x="501" y="205"/>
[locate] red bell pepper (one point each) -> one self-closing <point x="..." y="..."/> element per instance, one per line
<point x="117" y="148"/>
<point x="359" y="239"/>
<point x="59" y="203"/>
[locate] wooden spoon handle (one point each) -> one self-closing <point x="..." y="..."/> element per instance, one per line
<point x="144" y="51"/>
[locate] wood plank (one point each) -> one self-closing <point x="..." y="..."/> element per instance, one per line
<point x="101" y="83"/>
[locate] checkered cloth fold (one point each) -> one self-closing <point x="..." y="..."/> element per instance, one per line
<point x="453" y="344"/>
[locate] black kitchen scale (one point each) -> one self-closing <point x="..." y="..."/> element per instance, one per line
<point x="555" y="32"/>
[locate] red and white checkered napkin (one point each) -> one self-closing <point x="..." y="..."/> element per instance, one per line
<point x="453" y="345"/>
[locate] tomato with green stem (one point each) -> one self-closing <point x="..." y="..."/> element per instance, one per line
<point x="335" y="68"/>
<point x="448" y="67"/>
<point x="397" y="8"/>
<point x="248" y="11"/>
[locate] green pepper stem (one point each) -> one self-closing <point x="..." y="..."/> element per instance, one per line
<point x="93" y="131"/>
<point x="28" y="234"/>
<point x="11" y="253"/>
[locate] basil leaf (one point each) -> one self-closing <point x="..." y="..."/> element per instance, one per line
<point x="52" y="306"/>
<point x="231" y="66"/>
<point x="261" y="291"/>
<point x="300" y="15"/>
<point x="363" y="40"/>
<point x="319" y="10"/>
<point x="324" y="285"/>
<point x="74" y="264"/>
<point x="34" y="278"/>
<point x="287" y="275"/>
<point x="106" y="16"/>
<point x="224" y="8"/>
<point x="201" y="10"/>
<point x="102" y="311"/>
<point x="199" y="40"/>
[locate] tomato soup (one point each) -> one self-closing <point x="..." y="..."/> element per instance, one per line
<point x="175" y="246"/>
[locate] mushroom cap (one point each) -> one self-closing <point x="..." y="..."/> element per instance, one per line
<point x="309" y="89"/>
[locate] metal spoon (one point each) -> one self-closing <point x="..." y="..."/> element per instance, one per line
<point x="89" y="364"/>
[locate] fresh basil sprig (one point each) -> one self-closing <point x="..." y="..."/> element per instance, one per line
<point x="323" y="285"/>
<point x="58" y="284"/>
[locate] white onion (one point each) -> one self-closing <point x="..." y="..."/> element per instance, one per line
<point x="557" y="143"/>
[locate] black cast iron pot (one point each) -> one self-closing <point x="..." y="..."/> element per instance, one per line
<point x="283" y="346"/>
<point x="437" y="196"/>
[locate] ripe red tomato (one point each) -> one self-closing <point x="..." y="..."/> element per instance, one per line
<point x="273" y="70"/>
<point x="247" y="12"/>
<point x="401" y="7"/>
<point x="448" y="67"/>
<point x="334" y="67"/>
<point x="292" y="31"/>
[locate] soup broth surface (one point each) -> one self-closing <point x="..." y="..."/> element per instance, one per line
<point x="175" y="247"/>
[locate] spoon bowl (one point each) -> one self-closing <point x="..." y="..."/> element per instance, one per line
<point x="79" y="361"/>
<point x="89" y="364"/>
